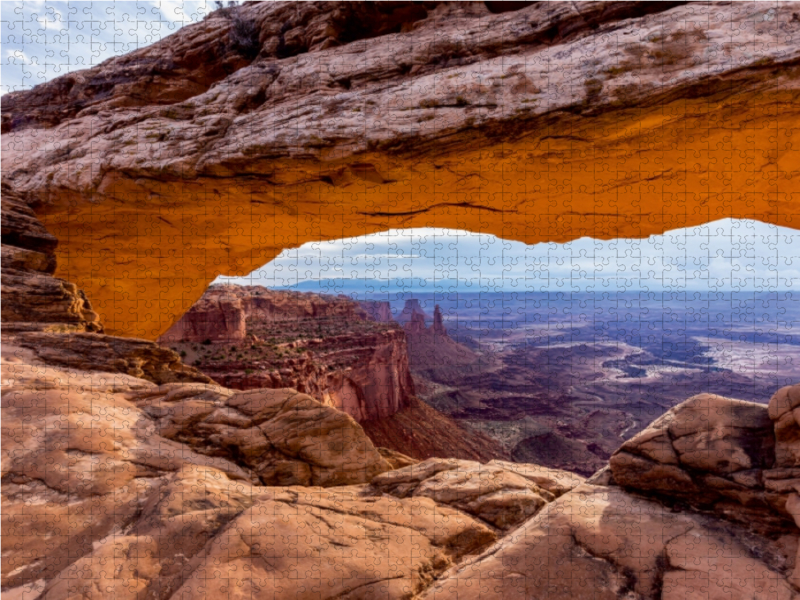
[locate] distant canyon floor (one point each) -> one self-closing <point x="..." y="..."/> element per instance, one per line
<point x="430" y="382"/>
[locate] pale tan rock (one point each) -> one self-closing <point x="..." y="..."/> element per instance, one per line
<point x="555" y="481"/>
<point x="498" y="496"/>
<point x="284" y="437"/>
<point x="396" y="459"/>
<point x="714" y="568"/>
<point x="317" y="544"/>
<point x="593" y="543"/>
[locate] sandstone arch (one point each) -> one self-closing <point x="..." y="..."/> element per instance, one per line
<point x="162" y="169"/>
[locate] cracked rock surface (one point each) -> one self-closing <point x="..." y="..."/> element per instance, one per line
<point x="547" y="123"/>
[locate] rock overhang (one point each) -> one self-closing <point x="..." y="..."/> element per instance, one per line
<point x="613" y="126"/>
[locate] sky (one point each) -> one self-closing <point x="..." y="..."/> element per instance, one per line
<point x="729" y="254"/>
<point x="44" y="39"/>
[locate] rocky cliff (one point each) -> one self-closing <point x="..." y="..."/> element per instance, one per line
<point x="431" y="349"/>
<point x="301" y="120"/>
<point x="324" y="346"/>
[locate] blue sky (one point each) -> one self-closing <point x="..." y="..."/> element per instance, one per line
<point x="724" y="255"/>
<point x="44" y="39"/>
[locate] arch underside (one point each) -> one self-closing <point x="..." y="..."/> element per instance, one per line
<point x="160" y="170"/>
<point x="149" y="249"/>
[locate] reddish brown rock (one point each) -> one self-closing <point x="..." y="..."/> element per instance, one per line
<point x="430" y="106"/>
<point x="423" y="432"/>
<point x="216" y="317"/>
<point x="378" y="311"/>
<point x="431" y="349"/>
<point x="324" y="346"/>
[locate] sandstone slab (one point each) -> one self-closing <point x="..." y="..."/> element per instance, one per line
<point x="499" y="496"/>
<point x="592" y="543"/>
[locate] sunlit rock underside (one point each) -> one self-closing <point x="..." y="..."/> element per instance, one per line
<point x="211" y="151"/>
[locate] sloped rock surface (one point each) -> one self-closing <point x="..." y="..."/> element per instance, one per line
<point x="339" y="543"/>
<point x="502" y="497"/>
<point x="603" y="543"/>
<point x="712" y="452"/>
<point x="285" y="437"/>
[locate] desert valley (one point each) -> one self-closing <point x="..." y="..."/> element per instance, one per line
<point x="536" y="378"/>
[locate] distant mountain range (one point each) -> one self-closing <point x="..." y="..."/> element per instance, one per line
<point x="341" y="285"/>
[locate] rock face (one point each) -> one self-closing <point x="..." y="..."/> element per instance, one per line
<point x="430" y="105"/>
<point x="431" y="349"/>
<point x="593" y="543"/>
<point x="503" y="497"/>
<point x="215" y="317"/>
<point x="412" y="311"/>
<point x="283" y="437"/>
<point x="55" y="320"/>
<point x="423" y="432"/>
<point x="324" y="346"/>
<point x="377" y="310"/>
<point x="715" y="453"/>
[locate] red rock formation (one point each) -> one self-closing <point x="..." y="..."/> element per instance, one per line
<point x="420" y="113"/>
<point x="411" y="309"/>
<point x="422" y="432"/>
<point x="324" y="346"/>
<point x="217" y="317"/>
<point x="431" y="347"/>
<point x="379" y="311"/>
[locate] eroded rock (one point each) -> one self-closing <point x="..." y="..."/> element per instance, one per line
<point x="284" y="437"/>
<point x="712" y="452"/>
<point x="601" y="542"/>
<point x="503" y="497"/>
<point x="433" y="109"/>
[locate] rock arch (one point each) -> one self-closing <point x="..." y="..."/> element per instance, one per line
<point x="159" y="171"/>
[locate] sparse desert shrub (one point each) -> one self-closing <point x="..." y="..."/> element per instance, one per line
<point x="244" y="36"/>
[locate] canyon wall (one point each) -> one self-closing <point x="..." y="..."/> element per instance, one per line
<point x="270" y="125"/>
<point x="324" y="346"/>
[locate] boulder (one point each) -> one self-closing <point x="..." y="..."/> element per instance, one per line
<point x="603" y="543"/>
<point x="282" y="436"/>
<point x="501" y="497"/>
<point x="784" y="410"/>
<point x="709" y="451"/>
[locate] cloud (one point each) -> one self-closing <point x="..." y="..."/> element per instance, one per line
<point x="727" y="254"/>
<point x="60" y="37"/>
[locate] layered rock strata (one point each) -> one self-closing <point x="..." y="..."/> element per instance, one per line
<point x="324" y="346"/>
<point x="270" y="125"/>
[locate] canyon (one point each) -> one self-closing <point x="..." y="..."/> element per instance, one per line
<point x="352" y="356"/>
<point x="127" y="188"/>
